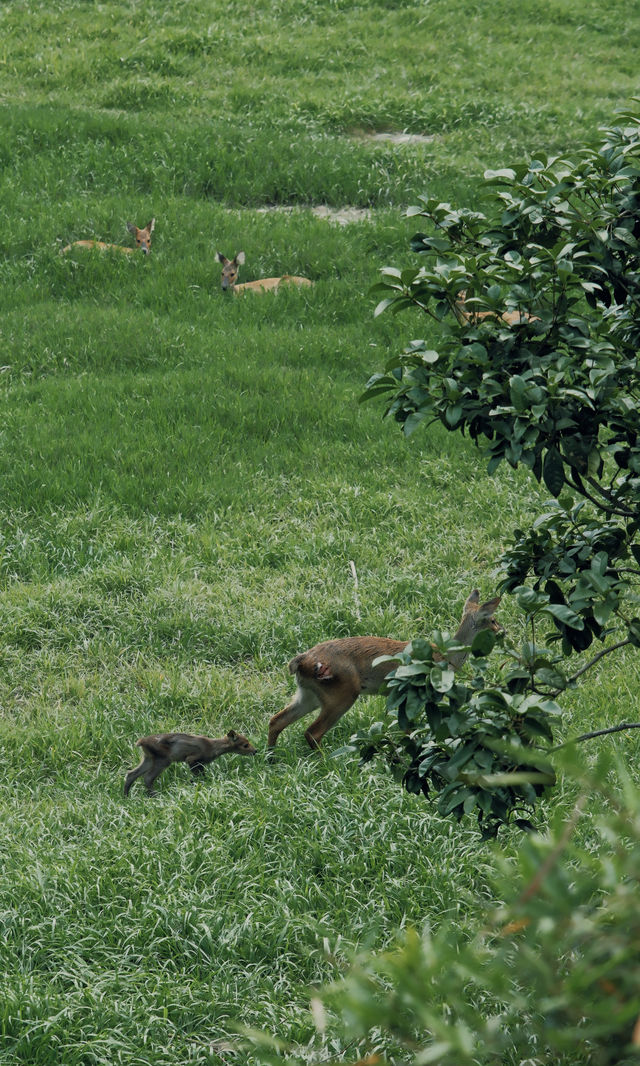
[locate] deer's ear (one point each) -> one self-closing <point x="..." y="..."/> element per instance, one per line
<point x="490" y="606"/>
<point x="472" y="601"/>
<point x="232" y="735"/>
<point x="239" y="258"/>
<point x="132" y="229"/>
<point x="222" y="258"/>
<point x="151" y="225"/>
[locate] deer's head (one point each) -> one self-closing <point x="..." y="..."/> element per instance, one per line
<point x="142" y="236"/>
<point x="230" y="269"/>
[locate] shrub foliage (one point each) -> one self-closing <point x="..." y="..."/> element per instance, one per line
<point x="539" y="308"/>
<point x="549" y="978"/>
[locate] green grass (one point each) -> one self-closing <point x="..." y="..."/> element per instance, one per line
<point x="185" y="480"/>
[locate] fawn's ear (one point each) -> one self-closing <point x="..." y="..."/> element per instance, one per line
<point x="239" y="259"/>
<point x="232" y="735"/>
<point x="222" y="258"/>
<point x="151" y="226"/>
<point x="132" y="229"/>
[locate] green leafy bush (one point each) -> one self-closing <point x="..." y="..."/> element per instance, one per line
<point x="539" y="309"/>
<point x="470" y="744"/>
<point x="549" y="978"/>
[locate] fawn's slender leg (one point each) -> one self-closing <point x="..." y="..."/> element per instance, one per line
<point x="159" y="764"/>
<point x="196" y="765"/>
<point x="143" y="766"/>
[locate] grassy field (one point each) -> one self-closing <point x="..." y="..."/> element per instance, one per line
<point x="186" y="479"/>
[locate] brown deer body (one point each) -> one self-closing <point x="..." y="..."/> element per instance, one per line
<point x="142" y="239"/>
<point x="333" y="674"/>
<point x="465" y="314"/>
<point x="230" y="268"/>
<point x="162" y="749"/>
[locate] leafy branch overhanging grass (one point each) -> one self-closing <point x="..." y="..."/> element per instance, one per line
<point x="538" y="363"/>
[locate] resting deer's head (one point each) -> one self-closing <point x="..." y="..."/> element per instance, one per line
<point x="230" y="269"/>
<point x="142" y="236"/>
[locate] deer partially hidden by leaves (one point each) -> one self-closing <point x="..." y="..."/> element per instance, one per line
<point x="230" y="268"/>
<point x="333" y="674"/>
<point x="162" y="749"/>
<point x="465" y="313"/>
<point x="142" y="239"/>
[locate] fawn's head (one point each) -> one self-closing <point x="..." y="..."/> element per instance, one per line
<point x="240" y="743"/>
<point x="142" y="236"/>
<point x="230" y="269"/>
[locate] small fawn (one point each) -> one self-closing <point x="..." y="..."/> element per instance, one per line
<point x="512" y="318"/>
<point x="333" y="674"/>
<point x="162" y="749"/>
<point x="230" y="273"/>
<point x="142" y="237"/>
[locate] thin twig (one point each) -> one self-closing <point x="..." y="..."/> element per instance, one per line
<point x="597" y="733"/>
<point x="355" y="588"/>
<point x="596" y="658"/>
<point x="578" y="484"/>
<point x="611" y="496"/>
<point x="611" y="508"/>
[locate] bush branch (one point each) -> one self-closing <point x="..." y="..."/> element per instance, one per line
<point x="592" y="662"/>
<point x="597" y="733"/>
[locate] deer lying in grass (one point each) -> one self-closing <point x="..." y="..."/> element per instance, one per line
<point x="163" y="749"/>
<point x="230" y="269"/>
<point x="333" y="674"/>
<point x="466" y="314"/>
<point x="142" y="238"/>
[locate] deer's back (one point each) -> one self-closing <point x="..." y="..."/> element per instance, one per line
<point x="349" y="659"/>
<point x="175" y="746"/>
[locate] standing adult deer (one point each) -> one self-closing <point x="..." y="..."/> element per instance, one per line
<point x="162" y="749"/>
<point x="142" y="238"/>
<point x="333" y="674"/>
<point x="466" y="314"/>
<point x="230" y="268"/>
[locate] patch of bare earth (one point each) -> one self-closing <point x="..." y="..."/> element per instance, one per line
<point x="341" y="216"/>
<point x="399" y="138"/>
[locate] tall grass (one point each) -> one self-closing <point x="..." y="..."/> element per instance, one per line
<point x="185" y="480"/>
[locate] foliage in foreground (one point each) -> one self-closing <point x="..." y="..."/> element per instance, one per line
<point x="555" y="387"/>
<point x="469" y="746"/>
<point x="550" y="978"/>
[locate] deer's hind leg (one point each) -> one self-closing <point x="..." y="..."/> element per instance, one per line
<point x="158" y="764"/>
<point x="304" y="702"/>
<point x="332" y="711"/>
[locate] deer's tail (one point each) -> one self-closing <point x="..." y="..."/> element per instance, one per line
<point x="154" y="745"/>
